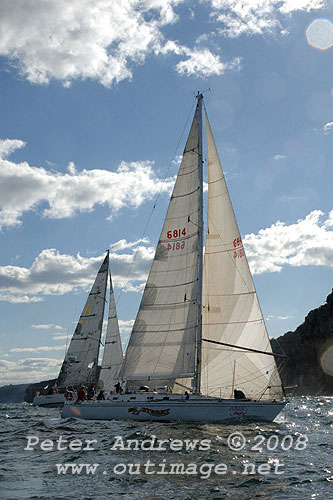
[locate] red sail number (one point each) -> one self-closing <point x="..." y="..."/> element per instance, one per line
<point x="239" y="253"/>
<point x="176" y="245"/>
<point x="237" y="242"/>
<point x="176" y="233"/>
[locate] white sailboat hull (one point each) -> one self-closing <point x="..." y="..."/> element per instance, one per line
<point x="175" y="409"/>
<point x="49" y="400"/>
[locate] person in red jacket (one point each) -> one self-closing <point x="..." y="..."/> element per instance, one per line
<point x="81" y="394"/>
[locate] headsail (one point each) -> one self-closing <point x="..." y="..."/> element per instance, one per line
<point x="113" y="353"/>
<point x="231" y="311"/>
<point x="162" y="344"/>
<point x="80" y="363"/>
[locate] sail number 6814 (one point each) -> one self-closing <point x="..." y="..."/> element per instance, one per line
<point x="176" y="233"/>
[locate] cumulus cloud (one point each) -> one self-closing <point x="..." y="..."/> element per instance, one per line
<point x="308" y="242"/>
<point x="328" y="127"/>
<point x="105" y="40"/>
<point x="60" y="337"/>
<point x="99" y="40"/>
<point x="271" y="316"/>
<point x="7" y="146"/>
<point x="39" y="349"/>
<point x="279" y="157"/>
<point x="126" y="325"/>
<point x="53" y="273"/>
<point x="257" y="17"/>
<point x="47" y="327"/>
<point x="24" y="187"/>
<point x="203" y="63"/>
<point x="28" y="370"/>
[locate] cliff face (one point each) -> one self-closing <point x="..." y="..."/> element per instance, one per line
<point x="12" y="393"/>
<point x="305" y="348"/>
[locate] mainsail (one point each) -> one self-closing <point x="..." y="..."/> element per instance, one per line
<point x="80" y="363"/>
<point x="163" y="341"/>
<point x="113" y="353"/>
<point x="185" y="308"/>
<point x="231" y="311"/>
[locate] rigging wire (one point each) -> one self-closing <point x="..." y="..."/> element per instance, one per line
<point x="154" y="204"/>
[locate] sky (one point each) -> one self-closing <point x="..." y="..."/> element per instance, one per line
<point x="96" y="99"/>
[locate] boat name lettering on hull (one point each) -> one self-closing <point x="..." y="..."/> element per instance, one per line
<point x="156" y="413"/>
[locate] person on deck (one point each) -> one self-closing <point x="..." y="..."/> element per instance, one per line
<point x="81" y="394"/>
<point x="239" y="394"/>
<point x="100" y="395"/>
<point x="117" y="387"/>
<point x="91" y="391"/>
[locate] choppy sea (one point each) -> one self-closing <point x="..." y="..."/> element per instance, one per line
<point x="291" y="458"/>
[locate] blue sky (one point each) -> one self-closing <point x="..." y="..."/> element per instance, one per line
<point x="95" y="98"/>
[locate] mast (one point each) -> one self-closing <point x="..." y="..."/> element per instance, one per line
<point x="200" y="244"/>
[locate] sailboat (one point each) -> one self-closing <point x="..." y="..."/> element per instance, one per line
<point x="199" y="350"/>
<point x="80" y="365"/>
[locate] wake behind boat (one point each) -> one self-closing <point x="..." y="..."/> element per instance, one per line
<point x="199" y="340"/>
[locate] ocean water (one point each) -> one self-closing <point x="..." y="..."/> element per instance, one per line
<point x="291" y="458"/>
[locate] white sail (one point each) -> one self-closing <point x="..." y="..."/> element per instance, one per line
<point x="162" y="344"/>
<point x="113" y="353"/>
<point x="186" y="307"/>
<point x="231" y="311"/>
<point x="80" y="363"/>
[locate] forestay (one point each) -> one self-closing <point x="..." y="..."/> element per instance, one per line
<point x="162" y="344"/>
<point x="231" y="311"/>
<point x="113" y="353"/>
<point x="80" y="364"/>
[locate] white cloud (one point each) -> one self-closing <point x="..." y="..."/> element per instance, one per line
<point x="126" y="325"/>
<point x="60" y="337"/>
<point x="288" y="6"/>
<point x="24" y="187"/>
<point x="200" y="62"/>
<point x="105" y="40"/>
<point x="53" y="273"/>
<point x="328" y="127"/>
<point x="257" y="17"/>
<point x="47" y="327"/>
<point x="39" y="349"/>
<point x="203" y="63"/>
<point x="271" y="316"/>
<point x="124" y="244"/>
<point x="308" y="242"/>
<point x="18" y="299"/>
<point x="28" y="370"/>
<point x="7" y="146"/>
<point x="99" y="40"/>
<point x="279" y="157"/>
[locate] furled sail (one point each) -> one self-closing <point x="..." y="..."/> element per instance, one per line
<point x="162" y="344"/>
<point x="113" y="353"/>
<point x="80" y="363"/>
<point x="231" y="311"/>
